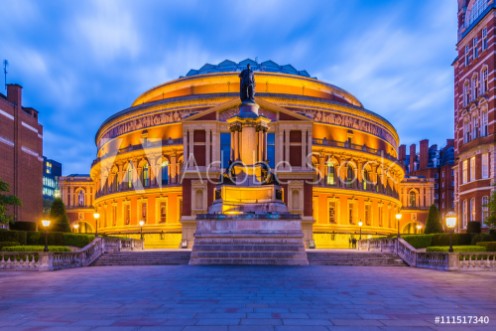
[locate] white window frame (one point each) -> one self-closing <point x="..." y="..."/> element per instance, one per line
<point x="485" y="165"/>
<point x="472" y="168"/>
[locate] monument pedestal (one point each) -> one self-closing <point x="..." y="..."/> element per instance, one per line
<point x="248" y="239"/>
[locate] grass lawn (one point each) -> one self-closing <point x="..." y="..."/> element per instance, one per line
<point x="467" y="248"/>
<point x="35" y="248"/>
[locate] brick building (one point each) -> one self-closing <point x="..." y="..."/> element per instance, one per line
<point x="433" y="164"/>
<point x="21" y="150"/>
<point x="474" y="109"/>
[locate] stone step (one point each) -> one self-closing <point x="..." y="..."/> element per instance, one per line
<point x="144" y="258"/>
<point x="353" y="258"/>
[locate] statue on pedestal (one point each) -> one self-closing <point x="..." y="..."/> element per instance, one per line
<point x="247" y="84"/>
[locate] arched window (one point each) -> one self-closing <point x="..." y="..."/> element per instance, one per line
<point x="475" y="126"/>
<point x="81" y="198"/>
<point x="466" y="130"/>
<point x="145" y="175"/>
<point x="366" y="179"/>
<point x="165" y="172"/>
<point x="331" y="174"/>
<point x="484" y="120"/>
<point x="484" y="87"/>
<point x="115" y="183"/>
<point x="350" y="175"/>
<point x="474" y="11"/>
<point x="413" y="199"/>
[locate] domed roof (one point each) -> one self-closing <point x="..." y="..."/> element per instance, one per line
<point x="230" y="66"/>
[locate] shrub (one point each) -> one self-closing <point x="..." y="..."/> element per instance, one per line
<point x="481" y="237"/>
<point x="443" y="239"/>
<point x="474" y="227"/>
<point x="419" y="241"/>
<point x="58" y="215"/>
<point x="433" y="223"/>
<point x="465" y="248"/>
<point x="77" y="240"/>
<point x="489" y="245"/>
<point x="9" y="235"/>
<point x="8" y="243"/>
<point x="36" y="248"/>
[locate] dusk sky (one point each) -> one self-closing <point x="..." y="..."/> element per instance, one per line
<point x="82" y="61"/>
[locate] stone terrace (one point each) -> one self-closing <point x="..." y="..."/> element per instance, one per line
<point x="237" y="298"/>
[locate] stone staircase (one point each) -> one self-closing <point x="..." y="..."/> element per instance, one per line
<point x="353" y="258"/>
<point x="169" y="257"/>
<point x="249" y="250"/>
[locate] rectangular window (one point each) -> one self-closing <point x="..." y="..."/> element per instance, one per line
<point x="484" y="124"/>
<point x="472" y="209"/>
<point x="485" y="209"/>
<point x="465" y="95"/>
<point x="464" y="171"/>
<point x="163" y="212"/>
<point x="484" y="39"/>
<point x="473" y="88"/>
<point x="474" y="47"/>
<point x="143" y="212"/>
<point x="225" y="148"/>
<point x="127" y="214"/>
<point x="330" y="174"/>
<point x="332" y="212"/>
<point x="464" y="214"/>
<point x="379" y="211"/>
<point x="485" y="165"/>
<point x="484" y="81"/>
<point x="367" y="215"/>
<point x="351" y="215"/>
<point x="472" y="168"/>
<point x="467" y="60"/>
<point x="466" y="132"/>
<point x="271" y="149"/>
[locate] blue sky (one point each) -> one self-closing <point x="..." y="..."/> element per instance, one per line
<point x="80" y="62"/>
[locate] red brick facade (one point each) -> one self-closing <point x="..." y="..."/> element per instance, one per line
<point x="21" y="150"/>
<point x="474" y="109"/>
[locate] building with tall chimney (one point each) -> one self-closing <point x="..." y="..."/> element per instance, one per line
<point x="429" y="178"/>
<point x="475" y="123"/>
<point x="21" y="150"/>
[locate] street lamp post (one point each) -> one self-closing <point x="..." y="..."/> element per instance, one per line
<point x="398" y="219"/>
<point x="96" y="216"/>
<point x="141" y="223"/>
<point x="46" y="224"/>
<point x="451" y="223"/>
<point x="76" y="227"/>
<point x="360" y="223"/>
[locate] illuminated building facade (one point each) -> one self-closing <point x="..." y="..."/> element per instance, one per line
<point x="161" y="159"/>
<point x="475" y="109"/>
<point x="21" y="150"/>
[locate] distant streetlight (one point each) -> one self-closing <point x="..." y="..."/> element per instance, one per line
<point x="398" y="219"/>
<point x="76" y="227"/>
<point x="360" y="224"/>
<point x="96" y="216"/>
<point x="46" y="224"/>
<point x="419" y="227"/>
<point x="141" y="223"/>
<point x="451" y="223"/>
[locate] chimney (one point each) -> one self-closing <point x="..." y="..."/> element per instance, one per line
<point x="424" y="154"/>
<point x="14" y="94"/>
<point x="402" y="153"/>
<point x="413" y="155"/>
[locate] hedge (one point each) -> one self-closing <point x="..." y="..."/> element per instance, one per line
<point x="459" y="239"/>
<point x="481" y="237"/>
<point x="458" y="248"/>
<point x="36" y="248"/>
<point x="12" y="235"/>
<point x="419" y="241"/>
<point x="54" y="238"/>
<point x="8" y="243"/>
<point x="489" y="245"/>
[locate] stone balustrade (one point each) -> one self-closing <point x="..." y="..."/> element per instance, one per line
<point x="458" y="261"/>
<point x="49" y="261"/>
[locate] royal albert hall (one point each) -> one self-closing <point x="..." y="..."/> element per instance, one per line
<point x="159" y="160"/>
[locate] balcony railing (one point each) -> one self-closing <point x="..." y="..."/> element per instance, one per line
<point x="357" y="185"/>
<point x="136" y="185"/>
<point x="347" y="145"/>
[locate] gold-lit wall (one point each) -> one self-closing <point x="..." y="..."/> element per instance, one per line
<point x="155" y="139"/>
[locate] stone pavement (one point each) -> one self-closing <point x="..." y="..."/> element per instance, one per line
<point x="241" y="298"/>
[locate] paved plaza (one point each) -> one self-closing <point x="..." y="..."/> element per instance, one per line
<point x="237" y="298"/>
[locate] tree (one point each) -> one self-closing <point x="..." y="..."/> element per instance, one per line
<point x="59" y="217"/>
<point x="433" y="224"/>
<point x="6" y="200"/>
<point x="491" y="206"/>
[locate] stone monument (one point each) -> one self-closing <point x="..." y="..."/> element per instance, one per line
<point x="248" y="222"/>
